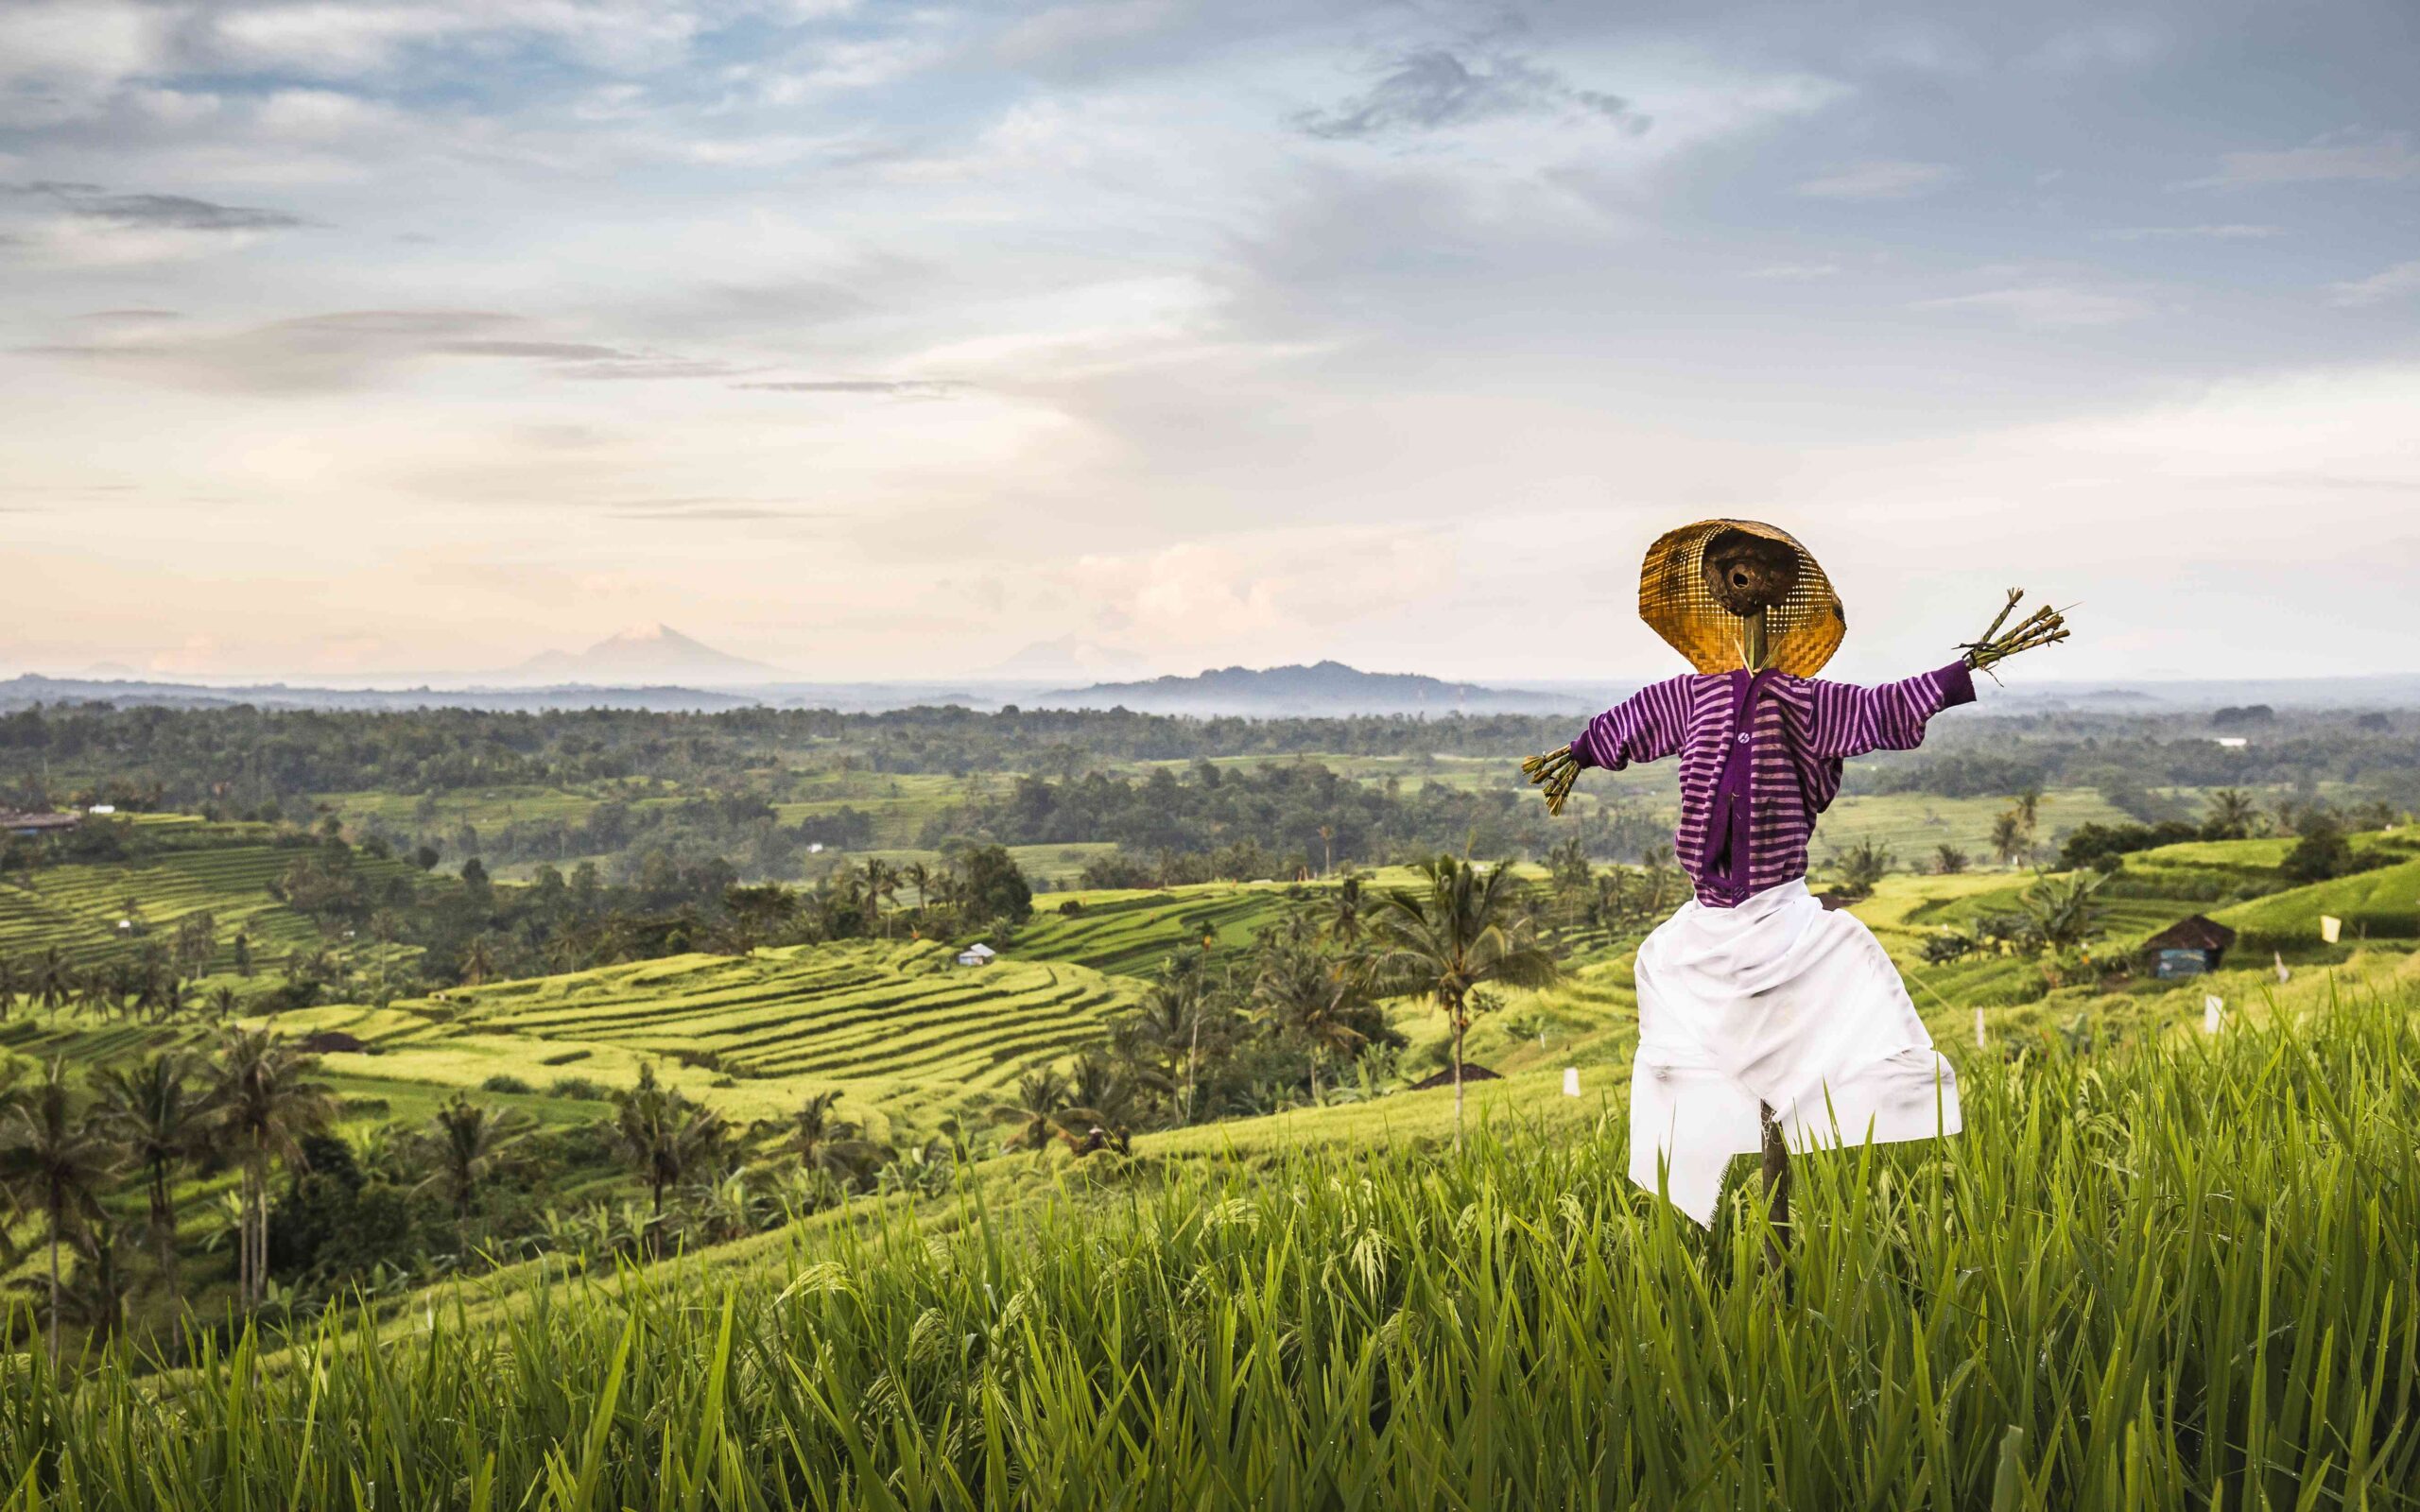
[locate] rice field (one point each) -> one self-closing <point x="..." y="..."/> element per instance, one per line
<point x="76" y="908"/>
<point x="2171" y="1274"/>
<point x="1128" y="933"/>
<point x="888" y="1024"/>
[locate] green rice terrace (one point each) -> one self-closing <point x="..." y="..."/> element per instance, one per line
<point x="728" y="1217"/>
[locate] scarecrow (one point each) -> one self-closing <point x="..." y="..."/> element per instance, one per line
<point x="1766" y="1019"/>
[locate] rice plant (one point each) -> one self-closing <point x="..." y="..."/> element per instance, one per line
<point x="2163" y="1275"/>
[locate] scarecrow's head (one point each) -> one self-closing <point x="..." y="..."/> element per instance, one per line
<point x="1706" y="588"/>
<point x="1745" y="572"/>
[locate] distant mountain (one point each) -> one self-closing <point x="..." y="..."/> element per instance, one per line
<point x="1326" y="688"/>
<point x="648" y="653"/>
<point x="32" y="688"/>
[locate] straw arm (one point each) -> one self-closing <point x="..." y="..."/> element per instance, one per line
<point x="1553" y="774"/>
<point x="2043" y="627"/>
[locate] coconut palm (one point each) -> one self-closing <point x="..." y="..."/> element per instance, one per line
<point x="266" y="1104"/>
<point x="2232" y="816"/>
<point x="161" y="1120"/>
<point x="1042" y="1110"/>
<point x="1454" y="935"/>
<point x="2009" y="840"/>
<point x="1347" y="912"/>
<point x="881" y="883"/>
<point x="1302" y="991"/>
<point x="466" y="1139"/>
<point x="223" y="1002"/>
<point x="54" y="1160"/>
<point x="664" y="1135"/>
<point x="478" y="961"/>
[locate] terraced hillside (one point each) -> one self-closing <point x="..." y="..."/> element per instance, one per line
<point x="888" y="1024"/>
<point x="1129" y="933"/>
<point x="76" y="908"/>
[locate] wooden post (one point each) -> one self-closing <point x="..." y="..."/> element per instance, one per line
<point x="1776" y="1171"/>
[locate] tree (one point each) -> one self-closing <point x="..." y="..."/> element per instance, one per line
<point x="266" y="1104"/>
<point x="1043" y="1109"/>
<point x="2321" y="853"/>
<point x="1948" y="860"/>
<point x="195" y="942"/>
<point x="2009" y="840"/>
<point x="663" y="1136"/>
<point x="1863" y="866"/>
<point x="161" y="1122"/>
<point x="825" y="1144"/>
<point x="881" y="883"/>
<point x="1304" y="992"/>
<point x="2062" y="913"/>
<point x="54" y="1160"/>
<point x="478" y="961"/>
<point x="1347" y="919"/>
<point x="467" y="1138"/>
<point x="1453" y="936"/>
<point x="2231" y="814"/>
<point x="995" y="888"/>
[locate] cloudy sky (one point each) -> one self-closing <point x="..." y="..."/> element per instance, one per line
<point x="897" y="339"/>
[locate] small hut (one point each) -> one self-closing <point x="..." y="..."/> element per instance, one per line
<point x="978" y="953"/>
<point x="1471" y="1072"/>
<point x="2189" y="947"/>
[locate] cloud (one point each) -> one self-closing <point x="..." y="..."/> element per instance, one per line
<point x="2044" y="304"/>
<point x="1795" y="271"/>
<point x="1881" y="179"/>
<point x="165" y="212"/>
<point x="2343" y="155"/>
<point x="921" y="387"/>
<point x="89" y="227"/>
<point x="2396" y="282"/>
<point x="348" y="350"/>
<point x="2233" y="232"/>
<point x="1433" y="89"/>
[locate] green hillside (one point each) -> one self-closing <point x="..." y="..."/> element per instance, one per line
<point x="892" y="1025"/>
<point x="216" y="868"/>
<point x="2382" y="904"/>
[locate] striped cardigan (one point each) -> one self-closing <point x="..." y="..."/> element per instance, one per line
<point x="1761" y="758"/>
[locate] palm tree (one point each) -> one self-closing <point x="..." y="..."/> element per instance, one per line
<point x="882" y="882"/>
<point x="222" y="1002"/>
<point x="1302" y="991"/>
<point x="54" y="982"/>
<point x="266" y="1105"/>
<point x="2007" y="836"/>
<point x="1455" y="935"/>
<point x="1347" y="920"/>
<point x="161" y="1123"/>
<point x="663" y="1134"/>
<point x="54" y="1159"/>
<point x="824" y="1143"/>
<point x="1042" y="1110"/>
<point x="478" y="962"/>
<point x="2233" y="814"/>
<point x="468" y="1137"/>
<point x="8" y="985"/>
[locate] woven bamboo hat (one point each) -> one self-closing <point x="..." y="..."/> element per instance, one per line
<point x="1802" y="630"/>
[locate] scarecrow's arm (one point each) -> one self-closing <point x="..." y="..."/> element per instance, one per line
<point x="2040" y="628"/>
<point x="1647" y="726"/>
<point x="1848" y="721"/>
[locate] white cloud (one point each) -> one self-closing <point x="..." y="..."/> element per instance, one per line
<point x="1795" y="272"/>
<point x="1882" y="178"/>
<point x="2344" y="155"/>
<point x="2396" y="282"/>
<point x="2044" y="304"/>
<point x="2230" y="231"/>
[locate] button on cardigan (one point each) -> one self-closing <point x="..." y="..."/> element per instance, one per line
<point x="1761" y="758"/>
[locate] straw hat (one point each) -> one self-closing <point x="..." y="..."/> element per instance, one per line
<point x="1802" y="630"/>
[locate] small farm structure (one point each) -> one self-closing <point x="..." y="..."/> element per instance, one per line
<point x="976" y="954"/>
<point x="2189" y="947"/>
<point x="38" y="823"/>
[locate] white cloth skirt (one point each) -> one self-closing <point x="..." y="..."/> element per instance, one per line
<point x="1781" y="1002"/>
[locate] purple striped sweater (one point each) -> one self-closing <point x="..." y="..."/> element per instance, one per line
<point x="1761" y="758"/>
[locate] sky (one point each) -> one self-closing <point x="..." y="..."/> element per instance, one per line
<point x="349" y="340"/>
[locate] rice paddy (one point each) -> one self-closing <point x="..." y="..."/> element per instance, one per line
<point x="2170" y="1275"/>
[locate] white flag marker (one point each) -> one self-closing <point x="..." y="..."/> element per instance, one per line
<point x="1979" y="1029"/>
<point x="2330" y="927"/>
<point x="2212" y="1009"/>
<point x="1571" y="1081"/>
<point x="2284" y="973"/>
